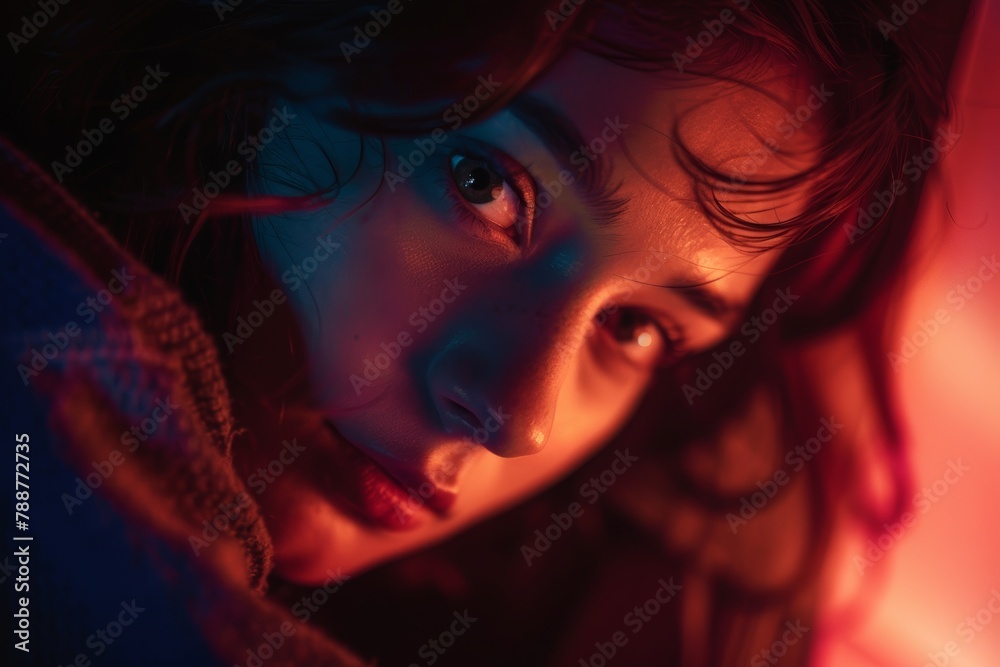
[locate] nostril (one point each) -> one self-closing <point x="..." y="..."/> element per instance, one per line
<point x="463" y="413"/>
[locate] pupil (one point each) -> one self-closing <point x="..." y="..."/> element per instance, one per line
<point x="478" y="178"/>
<point x="477" y="182"/>
<point x="628" y="322"/>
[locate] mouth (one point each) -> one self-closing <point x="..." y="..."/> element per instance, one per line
<point x="382" y="498"/>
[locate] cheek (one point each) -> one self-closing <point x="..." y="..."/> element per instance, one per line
<point x="593" y="405"/>
<point x="348" y="312"/>
<point x="360" y="314"/>
<point x="597" y="398"/>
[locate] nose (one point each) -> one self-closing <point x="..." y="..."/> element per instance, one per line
<point x="500" y="361"/>
<point x="477" y="395"/>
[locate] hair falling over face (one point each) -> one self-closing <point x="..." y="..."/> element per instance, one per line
<point x="439" y="333"/>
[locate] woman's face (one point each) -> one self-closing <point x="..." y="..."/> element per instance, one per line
<point x="475" y="327"/>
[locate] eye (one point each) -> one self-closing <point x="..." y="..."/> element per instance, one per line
<point x="641" y="339"/>
<point x="488" y="194"/>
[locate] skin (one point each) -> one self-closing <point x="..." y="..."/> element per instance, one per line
<point x="520" y="337"/>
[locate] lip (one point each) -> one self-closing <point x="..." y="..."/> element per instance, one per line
<point x="384" y="498"/>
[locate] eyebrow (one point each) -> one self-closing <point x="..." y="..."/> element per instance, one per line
<point x="706" y="299"/>
<point x="701" y="294"/>
<point x="562" y="138"/>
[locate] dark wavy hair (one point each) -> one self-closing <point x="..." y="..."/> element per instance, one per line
<point x="229" y="63"/>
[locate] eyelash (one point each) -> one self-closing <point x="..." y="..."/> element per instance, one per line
<point x="675" y="346"/>
<point x="522" y="183"/>
<point x="671" y="335"/>
<point x="484" y="229"/>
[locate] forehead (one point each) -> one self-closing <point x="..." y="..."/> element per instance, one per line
<point x="765" y="127"/>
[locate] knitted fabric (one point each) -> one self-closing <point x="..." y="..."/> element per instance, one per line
<point x="174" y="503"/>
